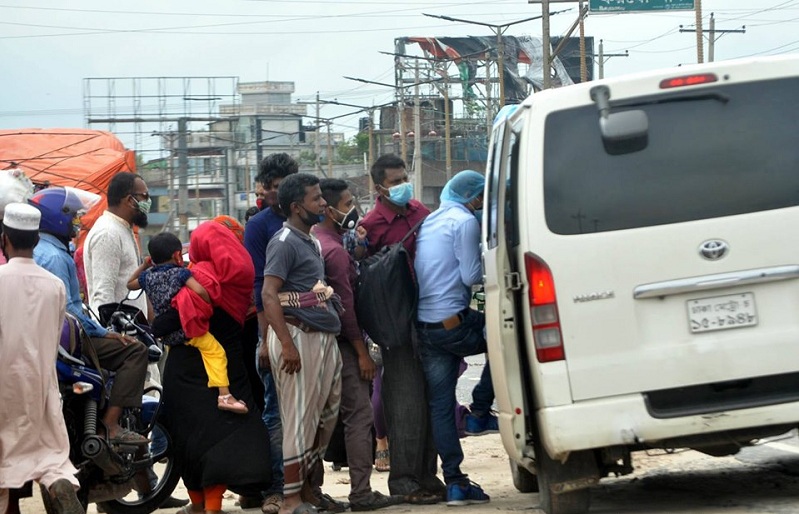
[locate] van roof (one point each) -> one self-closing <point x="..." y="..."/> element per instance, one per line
<point x="781" y="65"/>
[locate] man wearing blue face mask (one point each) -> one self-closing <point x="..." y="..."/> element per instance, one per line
<point x="413" y="456"/>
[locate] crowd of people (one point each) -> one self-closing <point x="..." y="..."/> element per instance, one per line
<point x="292" y="269"/>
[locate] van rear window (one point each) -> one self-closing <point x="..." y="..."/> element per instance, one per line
<point x="706" y="158"/>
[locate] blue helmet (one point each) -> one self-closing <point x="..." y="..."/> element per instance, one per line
<point x="61" y="209"/>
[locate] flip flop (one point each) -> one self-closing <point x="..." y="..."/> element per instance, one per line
<point x="228" y="403"/>
<point x="382" y="462"/>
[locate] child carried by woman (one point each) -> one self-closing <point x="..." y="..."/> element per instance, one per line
<point x="161" y="276"/>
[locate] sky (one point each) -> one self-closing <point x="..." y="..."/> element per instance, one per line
<point x="47" y="47"/>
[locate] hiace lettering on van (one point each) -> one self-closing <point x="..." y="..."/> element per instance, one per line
<point x="660" y="244"/>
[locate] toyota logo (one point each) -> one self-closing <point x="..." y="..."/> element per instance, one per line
<point x="714" y="249"/>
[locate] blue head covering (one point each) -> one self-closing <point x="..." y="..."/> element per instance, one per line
<point x="463" y="187"/>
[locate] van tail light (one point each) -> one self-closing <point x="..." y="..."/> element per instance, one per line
<point x="688" y="80"/>
<point x="543" y="310"/>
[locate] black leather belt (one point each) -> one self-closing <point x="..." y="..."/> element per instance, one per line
<point x="448" y="324"/>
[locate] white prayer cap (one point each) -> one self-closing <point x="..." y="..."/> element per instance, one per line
<point x="22" y="216"/>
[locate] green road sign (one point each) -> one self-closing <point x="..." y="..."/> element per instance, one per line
<point x="639" y="5"/>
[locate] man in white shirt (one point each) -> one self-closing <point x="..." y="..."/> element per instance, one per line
<point x="111" y="255"/>
<point x="34" y="444"/>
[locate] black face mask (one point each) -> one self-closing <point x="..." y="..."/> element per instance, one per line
<point x="350" y="219"/>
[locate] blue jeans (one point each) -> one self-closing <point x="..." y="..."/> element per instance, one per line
<point x="442" y="351"/>
<point x="271" y="418"/>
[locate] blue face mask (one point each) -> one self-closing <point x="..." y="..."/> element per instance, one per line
<point x="479" y="215"/>
<point x="311" y="219"/>
<point x="401" y="194"/>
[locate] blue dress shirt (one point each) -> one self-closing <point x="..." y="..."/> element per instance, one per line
<point x="52" y="255"/>
<point x="447" y="261"/>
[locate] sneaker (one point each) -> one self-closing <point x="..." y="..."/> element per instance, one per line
<point x="481" y="425"/>
<point x="465" y="493"/>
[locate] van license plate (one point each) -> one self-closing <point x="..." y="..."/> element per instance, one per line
<point x="722" y="312"/>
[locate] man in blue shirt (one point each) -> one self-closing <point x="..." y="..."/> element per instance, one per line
<point x="259" y="230"/>
<point x="127" y="356"/>
<point x="447" y="265"/>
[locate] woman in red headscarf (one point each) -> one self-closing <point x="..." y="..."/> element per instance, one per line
<point x="217" y="450"/>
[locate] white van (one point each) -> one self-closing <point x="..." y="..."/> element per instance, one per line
<point x="641" y="252"/>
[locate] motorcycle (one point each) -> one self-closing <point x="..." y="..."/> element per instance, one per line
<point x="120" y="478"/>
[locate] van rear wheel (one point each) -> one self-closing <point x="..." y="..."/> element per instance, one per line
<point x="576" y="475"/>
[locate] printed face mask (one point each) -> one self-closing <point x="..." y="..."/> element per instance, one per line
<point x="401" y="194"/>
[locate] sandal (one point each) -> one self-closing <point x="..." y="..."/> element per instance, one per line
<point x="382" y="462"/>
<point x="227" y="402"/>
<point x="125" y="436"/>
<point x="272" y="503"/>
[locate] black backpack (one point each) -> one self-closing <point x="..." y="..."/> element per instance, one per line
<point x="387" y="294"/>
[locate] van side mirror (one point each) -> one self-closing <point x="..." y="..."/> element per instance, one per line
<point x="622" y="132"/>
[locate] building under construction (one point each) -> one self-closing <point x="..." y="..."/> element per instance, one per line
<point x="198" y="139"/>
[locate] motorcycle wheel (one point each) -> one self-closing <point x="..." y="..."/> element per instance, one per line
<point x="166" y="472"/>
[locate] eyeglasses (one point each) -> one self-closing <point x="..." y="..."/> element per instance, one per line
<point x="146" y="196"/>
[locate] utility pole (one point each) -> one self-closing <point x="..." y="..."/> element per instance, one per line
<point x="259" y="151"/>
<point x="699" y="50"/>
<point x="183" y="180"/>
<point x="700" y="58"/>
<point x="371" y="137"/>
<point x="602" y="58"/>
<point x="371" y="152"/>
<point x="711" y="35"/>
<point x="318" y="143"/>
<point x="329" y="152"/>
<point x="399" y="82"/>
<point x="417" y="135"/>
<point x="447" y="132"/>
<point x="547" y="64"/>
<point x="583" y="67"/>
<point x="546" y="58"/>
